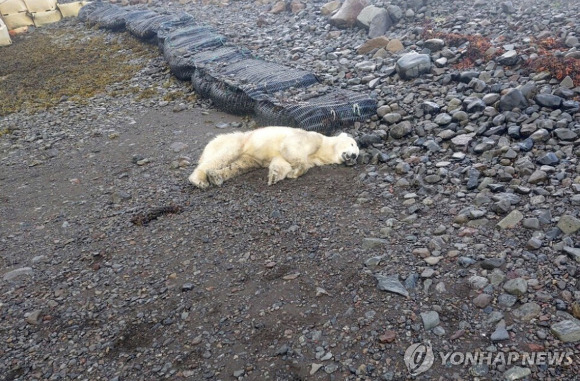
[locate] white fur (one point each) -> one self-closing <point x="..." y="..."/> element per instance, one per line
<point x="286" y="152"/>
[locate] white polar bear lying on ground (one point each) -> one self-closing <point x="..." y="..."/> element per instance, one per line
<point x="286" y="152"/>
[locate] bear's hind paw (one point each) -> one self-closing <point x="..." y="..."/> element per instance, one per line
<point x="215" y="178"/>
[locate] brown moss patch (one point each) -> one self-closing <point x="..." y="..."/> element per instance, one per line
<point x="477" y="47"/>
<point x="551" y="59"/>
<point x="42" y="67"/>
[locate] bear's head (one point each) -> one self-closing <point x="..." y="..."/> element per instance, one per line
<point x="346" y="149"/>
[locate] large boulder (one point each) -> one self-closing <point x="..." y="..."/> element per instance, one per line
<point x="365" y="16"/>
<point x="412" y="65"/>
<point x="380" y="24"/>
<point x="348" y="12"/>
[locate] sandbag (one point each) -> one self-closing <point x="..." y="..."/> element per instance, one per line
<point x="9" y="7"/>
<point x="17" y="20"/>
<point x="35" y="6"/>
<point x="326" y="114"/>
<point x="145" y="27"/>
<point x="48" y="17"/>
<point x="70" y="9"/>
<point x="5" y="39"/>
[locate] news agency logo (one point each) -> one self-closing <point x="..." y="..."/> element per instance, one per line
<point x="419" y="358"/>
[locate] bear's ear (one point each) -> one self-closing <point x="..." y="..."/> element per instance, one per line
<point x="344" y="134"/>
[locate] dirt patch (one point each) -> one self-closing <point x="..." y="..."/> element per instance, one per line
<point x="44" y="68"/>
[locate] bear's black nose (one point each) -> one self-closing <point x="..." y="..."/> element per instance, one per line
<point x="353" y="155"/>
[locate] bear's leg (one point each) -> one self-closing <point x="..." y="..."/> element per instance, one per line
<point x="199" y="179"/>
<point x="219" y="153"/>
<point x="298" y="169"/>
<point x="278" y="170"/>
<point x="241" y="165"/>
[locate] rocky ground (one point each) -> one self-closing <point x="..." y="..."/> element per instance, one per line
<point x="460" y="225"/>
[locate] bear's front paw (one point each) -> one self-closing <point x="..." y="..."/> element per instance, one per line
<point x="215" y="178"/>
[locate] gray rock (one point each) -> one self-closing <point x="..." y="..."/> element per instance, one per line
<point x="395" y="12"/>
<point x="569" y="224"/>
<point x="509" y="58"/>
<point x="511" y="220"/>
<point x="549" y="158"/>
<point x="517" y="286"/>
<point x="538" y="177"/>
<point x="412" y="65"/>
<point x="573" y="252"/>
<point x="508" y="7"/>
<point x="430" y="319"/>
<point x="346" y="16"/>
<point x="400" y="130"/>
<point x="365" y="16"/>
<point x="572" y="42"/>
<point x="527" y="312"/>
<point x="567" y="331"/>
<point x="16" y="273"/>
<point x="512" y="99"/>
<point x="374" y="243"/>
<point x="492" y="263"/>
<point x="380" y="24"/>
<point x="516" y="373"/>
<point x="434" y="44"/>
<point x="500" y="334"/>
<point x="477" y="282"/>
<point x="443" y="119"/>
<point x="391" y="283"/>
<point x="565" y="134"/>
<point x="506" y="300"/>
<point x="431" y="108"/>
<point x="549" y="100"/>
<point x="482" y="300"/>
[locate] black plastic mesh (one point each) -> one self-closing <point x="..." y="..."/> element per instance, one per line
<point x="112" y="18"/>
<point x="180" y="47"/>
<point x="326" y="114"/>
<point x="168" y="27"/>
<point x="146" y="25"/>
<point x="259" y="78"/>
<point x="89" y="8"/>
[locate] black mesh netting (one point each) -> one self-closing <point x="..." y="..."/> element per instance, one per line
<point x="146" y="25"/>
<point x="237" y="86"/>
<point x="166" y="28"/>
<point x="236" y="83"/>
<point x="111" y="18"/>
<point x="327" y="113"/>
<point x="89" y="8"/>
<point x="179" y="48"/>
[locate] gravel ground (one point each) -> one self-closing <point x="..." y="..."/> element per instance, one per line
<point x="459" y="226"/>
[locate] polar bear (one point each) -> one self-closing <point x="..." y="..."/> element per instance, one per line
<point x="287" y="153"/>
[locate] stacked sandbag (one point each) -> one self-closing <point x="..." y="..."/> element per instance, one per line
<point x="335" y="110"/>
<point x="15" y="14"/>
<point x="70" y="9"/>
<point x="4" y="35"/>
<point x="180" y="45"/>
<point x="236" y="87"/>
<point x="43" y="11"/>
